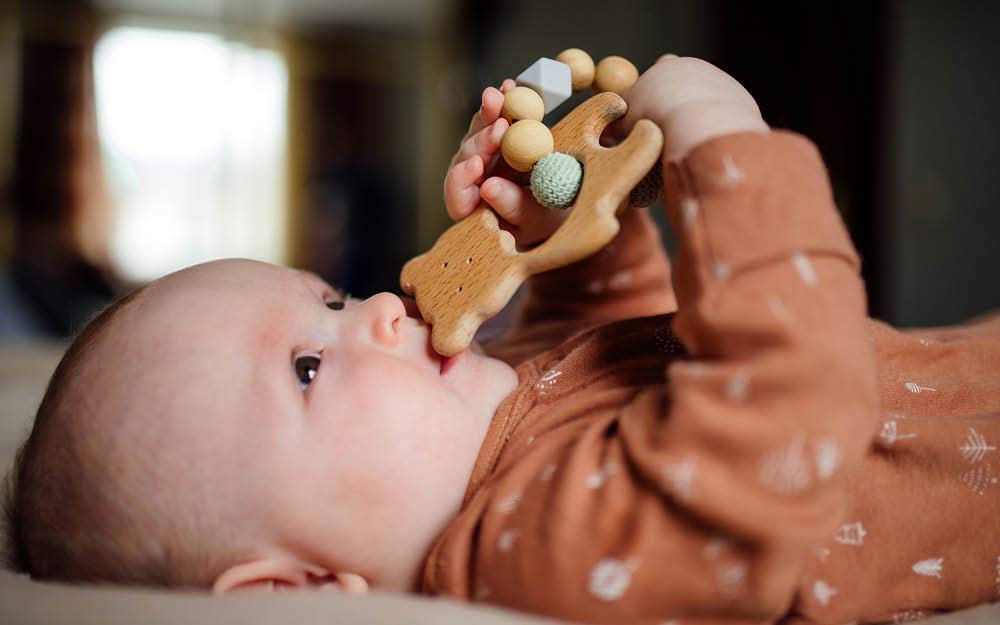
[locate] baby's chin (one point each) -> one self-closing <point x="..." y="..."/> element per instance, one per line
<point x="488" y="376"/>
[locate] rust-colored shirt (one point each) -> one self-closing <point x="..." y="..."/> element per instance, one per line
<point x="766" y="454"/>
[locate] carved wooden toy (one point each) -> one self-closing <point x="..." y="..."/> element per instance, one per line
<point x="474" y="269"/>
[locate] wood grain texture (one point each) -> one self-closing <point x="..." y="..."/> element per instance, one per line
<point x="581" y="67"/>
<point x="615" y="74"/>
<point x="474" y="268"/>
<point x="522" y="103"/>
<point x="525" y="143"/>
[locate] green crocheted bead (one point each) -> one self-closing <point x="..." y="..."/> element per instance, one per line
<point x="555" y="180"/>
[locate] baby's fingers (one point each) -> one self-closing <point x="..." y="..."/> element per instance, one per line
<point x="492" y="102"/>
<point x="508" y="199"/>
<point x="461" y="195"/>
<point x="489" y="111"/>
<point x="517" y="206"/>
<point x="483" y="144"/>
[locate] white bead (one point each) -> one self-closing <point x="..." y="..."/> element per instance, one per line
<point x="551" y="79"/>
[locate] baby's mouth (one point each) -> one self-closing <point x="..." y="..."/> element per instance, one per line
<point x="445" y="363"/>
<point x="448" y="362"/>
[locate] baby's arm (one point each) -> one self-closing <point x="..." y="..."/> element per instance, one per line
<point x="711" y="488"/>
<point x="628" y="278"/>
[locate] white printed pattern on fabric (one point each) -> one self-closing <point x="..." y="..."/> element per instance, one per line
<point x="975" y="447"/>
<point x="731" y="579"/>
<point x="916" y="389"/>
<point x="689" y="210"/>
<point x="930" y="567"/>
<point x="822" y="553"/>
<point x="547" y="381"/>
<point x="509" y="503"/>
<point x="720" y="270"/>
<point x="805" y="269"/>
<point x="715" y="547"/>
<point x="694" y="369"/>
<point x="850" y="534"/>
<point x="731" y="174"/>
<point x="890" y="434"/>
<point x="506" y="539"/>
<point x="548" y="472"/>
<point x="738" y="385"/>
<point x="610" y="578"/>
<point x="601" y="475"/>
<point x="779" y="310"/>
<point x="823" y="592"/>
<point x="827" y="458"/>
<point x="785" y="470"/>
<point x="620" y="280"/>
<point x="680" y="477"/>
<point x="979" y="478"/>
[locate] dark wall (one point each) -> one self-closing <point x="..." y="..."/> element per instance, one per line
<point x="946" y="171"/>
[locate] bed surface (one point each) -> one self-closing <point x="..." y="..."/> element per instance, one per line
<point x="24" y="370"/>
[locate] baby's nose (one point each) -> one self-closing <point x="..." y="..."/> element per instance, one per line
<point x="383" y="313"/>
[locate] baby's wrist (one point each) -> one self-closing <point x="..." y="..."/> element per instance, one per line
<point x="688" y="125"/>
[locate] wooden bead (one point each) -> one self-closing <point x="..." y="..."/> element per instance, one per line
<point x="580" y="65"/>
<point x="615" y="74"/>
<point x="522" y="103"/>
<point x="525" y="143"/>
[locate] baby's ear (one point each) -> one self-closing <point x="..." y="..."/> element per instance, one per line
<point x="350" y="583"/>
<point x="277" y="572"/>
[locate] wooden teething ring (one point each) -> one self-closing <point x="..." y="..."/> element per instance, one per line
<point x="473" y="269"/>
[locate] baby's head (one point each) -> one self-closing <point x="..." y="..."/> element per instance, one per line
<point x="239" y="425"/>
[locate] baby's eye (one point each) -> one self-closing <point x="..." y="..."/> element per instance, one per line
<point x="306" y="368"/>
<point x="335" y="305"/>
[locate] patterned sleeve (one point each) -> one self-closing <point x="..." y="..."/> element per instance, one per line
<point x="629" y="278"/>
<point x="703" y="497"/>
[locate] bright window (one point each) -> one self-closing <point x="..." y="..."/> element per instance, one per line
<point x="193" y="132"/>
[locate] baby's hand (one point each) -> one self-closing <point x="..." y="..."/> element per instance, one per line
<point x="692" y="101"/>
<point x="468" y="180"/>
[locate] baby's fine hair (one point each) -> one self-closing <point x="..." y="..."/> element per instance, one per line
<point x="64" y="519"/>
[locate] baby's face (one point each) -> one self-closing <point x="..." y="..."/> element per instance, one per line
<point x="334" y="423"/>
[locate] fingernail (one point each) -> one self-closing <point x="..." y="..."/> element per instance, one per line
<point x="497" y="133"/>
<point x="490" y="189"/>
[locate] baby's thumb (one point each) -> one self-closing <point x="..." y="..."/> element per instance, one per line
<point x="506" y="198"/>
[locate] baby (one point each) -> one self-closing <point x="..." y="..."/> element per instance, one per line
<point x="765" y="453"/>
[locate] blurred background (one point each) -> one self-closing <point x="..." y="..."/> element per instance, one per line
<point x="141" y="136"/>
